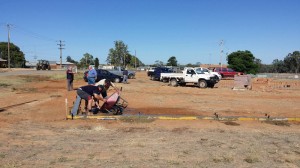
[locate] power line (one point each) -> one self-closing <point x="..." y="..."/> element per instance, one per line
<point x="33" y="34"/>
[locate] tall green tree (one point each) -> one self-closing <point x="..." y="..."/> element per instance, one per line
<point x="172" y="61"/>
<point x="17" y="57"/>
<point x="86" y="60"/>
<point x="119" y="55"/>
<point x="292" y="62"/>
<point x="243" y="61"/>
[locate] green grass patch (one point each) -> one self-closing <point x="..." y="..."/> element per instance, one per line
<point x="4" y="85"/>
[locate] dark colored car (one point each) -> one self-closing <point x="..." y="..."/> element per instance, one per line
<point x="158" y="71"/>
<point x="104" y="74"/>
<point x="227" y="72"/>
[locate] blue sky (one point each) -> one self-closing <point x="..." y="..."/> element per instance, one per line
<point x="190" y="30"/>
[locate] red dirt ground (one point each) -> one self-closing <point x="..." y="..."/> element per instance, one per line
<point x="34" y="132"/>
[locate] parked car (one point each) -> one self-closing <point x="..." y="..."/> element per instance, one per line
<point x="104" y="74"/>
<point x="150" y="71"/>
<point x="227" y="72"/>
<point x="119" y="71"/>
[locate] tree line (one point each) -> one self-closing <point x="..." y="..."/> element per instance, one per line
<point x="119" y="55"/>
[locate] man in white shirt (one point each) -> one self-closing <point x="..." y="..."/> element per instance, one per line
<point x="106" y="83"/>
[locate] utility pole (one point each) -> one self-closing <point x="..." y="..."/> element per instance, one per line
<point x="8" y="43"/>
<point x="124" y="54"/>
<point x="60" y="48"/>
<point x="134" y="59"/>
<point x="221" y="53"/>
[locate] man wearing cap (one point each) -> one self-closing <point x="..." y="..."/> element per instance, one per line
<point x="89" y="92"/>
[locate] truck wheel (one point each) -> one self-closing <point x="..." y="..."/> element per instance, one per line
<point x="202" y="84"/>
<point x="174" y="82"/>
<point x="152" y="78"/>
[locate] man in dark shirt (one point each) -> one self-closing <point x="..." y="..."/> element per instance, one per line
<point x="125" y="75"/>
<point x="70" y="78"/>
<point x="89" y="92"/>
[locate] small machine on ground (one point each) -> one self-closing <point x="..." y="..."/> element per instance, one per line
<point x="114" y="104"/>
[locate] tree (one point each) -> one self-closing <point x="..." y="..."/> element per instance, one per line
<point x="69" y="59"/>
<point x="172" y="61"/>
<point x="86" y="60"/>
<point x="135" y="62"/>
<point x="119" y="55"/>
<point x="292" y="62"/>
<point x="17" y="57"/>
<point x="96" y="63"/>
<point x="243" y="61"/>
<point x="278" y="66"/>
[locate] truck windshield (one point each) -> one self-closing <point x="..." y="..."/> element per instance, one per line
<point x="199" y="71"/>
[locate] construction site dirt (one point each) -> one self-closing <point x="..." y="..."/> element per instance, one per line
<point x="35" y="132"/>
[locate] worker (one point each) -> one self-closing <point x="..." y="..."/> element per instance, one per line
<point x="106" y="83"/>
<point x="88" y="93"/>
<point x="70" y="78"/>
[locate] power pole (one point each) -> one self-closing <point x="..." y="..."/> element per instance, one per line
<point x="221" y="53"/>
<point x="134" y="59"/>
<point x="8" y="43"/>
<point x="60" y="48"/>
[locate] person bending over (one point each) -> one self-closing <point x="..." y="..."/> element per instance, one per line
<point x="89" y="92"/>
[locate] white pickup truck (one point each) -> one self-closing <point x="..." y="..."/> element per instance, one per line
<point x="190" y="75"/>
<point x="207" y="71"/>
